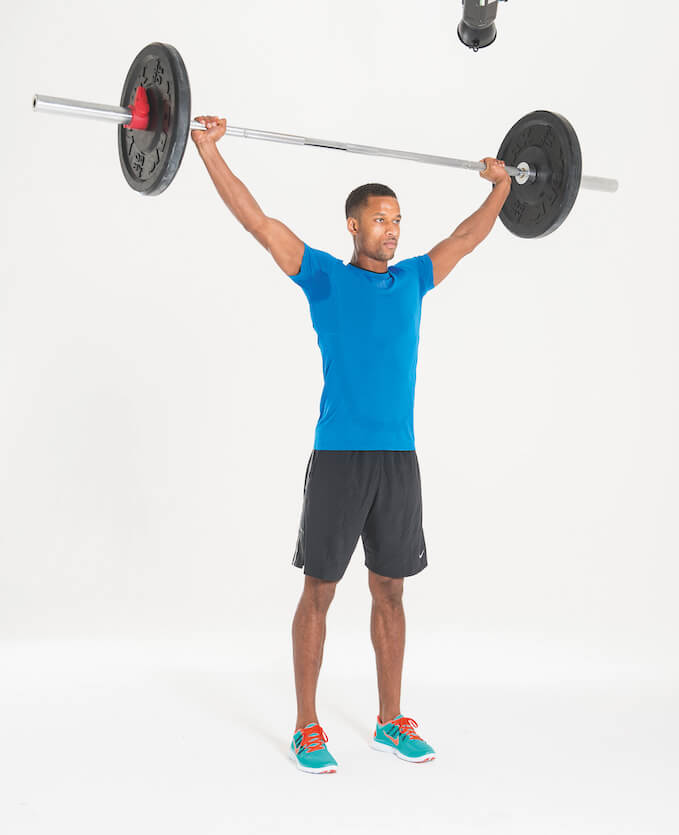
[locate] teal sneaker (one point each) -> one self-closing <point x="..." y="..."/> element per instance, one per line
<point x="399" y="737"/>
<point x="309" y="752"/>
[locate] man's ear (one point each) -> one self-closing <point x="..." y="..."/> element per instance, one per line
<point x="352" y="226"/>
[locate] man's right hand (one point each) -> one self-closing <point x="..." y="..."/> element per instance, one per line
<point x="494" y="171"/>
<point x="216" y="128"/>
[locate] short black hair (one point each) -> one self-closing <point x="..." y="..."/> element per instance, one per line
<point x="361" y="194"/>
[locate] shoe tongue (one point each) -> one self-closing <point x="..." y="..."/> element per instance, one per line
<point x="311" y="725"/>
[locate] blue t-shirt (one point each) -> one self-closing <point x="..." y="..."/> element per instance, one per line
<point x="368" y="327"/>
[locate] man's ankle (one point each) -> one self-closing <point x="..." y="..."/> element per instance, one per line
<point x="305" y="722"/>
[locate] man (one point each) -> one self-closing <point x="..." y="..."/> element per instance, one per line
<point x="362" y="478"/>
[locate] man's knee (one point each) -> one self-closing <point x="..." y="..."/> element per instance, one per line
<point x="319" y="593"/>
<point x="385" y="589"/>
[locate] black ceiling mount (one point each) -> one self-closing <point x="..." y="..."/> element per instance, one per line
<point x="477" y="27"/>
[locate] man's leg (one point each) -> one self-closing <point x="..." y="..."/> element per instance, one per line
<point x="308" y="637"/>
<point x="388" y="633"/>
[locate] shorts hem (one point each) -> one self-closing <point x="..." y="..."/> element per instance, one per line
<point x="309" y="573"/>
<point x="418" y="570"/>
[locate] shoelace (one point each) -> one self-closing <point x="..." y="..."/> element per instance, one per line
<point x="405" y="727"/>
<point x="307" y="738"/>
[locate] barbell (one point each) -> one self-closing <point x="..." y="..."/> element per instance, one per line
<point x="541" y="151"/>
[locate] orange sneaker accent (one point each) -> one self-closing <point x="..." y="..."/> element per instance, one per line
<point x="312" y="744"/>
<point x="406" y="728"/>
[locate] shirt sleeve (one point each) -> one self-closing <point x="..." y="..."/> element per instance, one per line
<point x="315" y="264"/>
<point x="314" y="274"/>
<point x="426" y="272"/>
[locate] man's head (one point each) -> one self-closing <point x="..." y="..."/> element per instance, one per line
<point x="373" y="219"/>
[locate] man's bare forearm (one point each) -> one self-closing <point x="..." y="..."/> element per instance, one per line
<point x="232" y="191"/>
<point x="478" y="225"/>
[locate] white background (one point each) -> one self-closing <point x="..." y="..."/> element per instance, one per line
<point x="160" y="387"/>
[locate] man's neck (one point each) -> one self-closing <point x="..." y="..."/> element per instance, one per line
<point x="365" y="262"/>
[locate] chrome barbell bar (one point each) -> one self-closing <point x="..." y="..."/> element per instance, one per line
<point x="123" y="115"/>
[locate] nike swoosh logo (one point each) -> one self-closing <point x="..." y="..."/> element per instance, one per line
<point x="422" y="554"/>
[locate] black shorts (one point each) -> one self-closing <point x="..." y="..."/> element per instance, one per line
<point x="372" y="494"/>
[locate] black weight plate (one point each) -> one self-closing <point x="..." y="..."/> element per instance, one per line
<point x="150" y="158"/>
<point x="549" y="144"/>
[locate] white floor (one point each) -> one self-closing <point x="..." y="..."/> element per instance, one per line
<point x="161" y="737"/>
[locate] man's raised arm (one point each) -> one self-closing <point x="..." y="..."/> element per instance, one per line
<point x="285" y="247"/>
<point x="469" y="234"/>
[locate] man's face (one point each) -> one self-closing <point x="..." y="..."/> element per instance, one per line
<point x="377" y="228"/>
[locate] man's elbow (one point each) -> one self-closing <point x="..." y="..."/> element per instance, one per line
<point x="469" y="242"/>
<point x="261" y="231"/>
